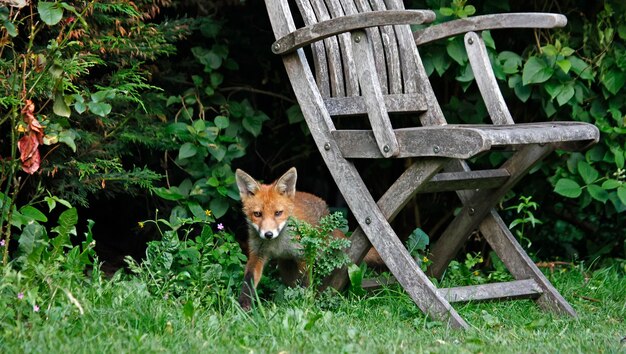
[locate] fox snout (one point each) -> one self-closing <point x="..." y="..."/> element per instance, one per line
<point x="269" y="233"/>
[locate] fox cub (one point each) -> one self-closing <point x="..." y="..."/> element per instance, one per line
<point x="267" y="208"/>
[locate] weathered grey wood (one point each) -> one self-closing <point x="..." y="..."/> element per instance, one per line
<point x="465" y="140"/>
<point x="383" y="57"/>
<point x="488" y="22"/>
<point x="516" y="289"/>
<point x="318" y="49"/>
<point x="476" y="205"/>
<point x="412" y="279"/>
<point x="390" y="46"/>
<point x="414" y="76"/>
<point x="335" y="67"/>
<point x="373" y="96"/>
<point x="526" y="288"/>
<point x="346" y="106"/>
<point x="452" y="181"/>
<point x="497" y="234"/>
<point x="436" y="141"/>
<point x="345" y="44"/>
<point x="486" y="80"/>
<point x="376" y="41"/>
<point x="328" y="28"/>
<point x="395" y="198"/>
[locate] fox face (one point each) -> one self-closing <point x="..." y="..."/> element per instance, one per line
<point x="267" y="207"/>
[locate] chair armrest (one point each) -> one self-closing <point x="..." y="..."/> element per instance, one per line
<point x="321" y="30"/>
<point x="487" y="22"/>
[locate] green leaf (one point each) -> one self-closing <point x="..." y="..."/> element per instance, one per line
<point x="611" y="184"/>
<point x="564" y="64"/>
<point x="61" y="108"/>
<point x="253" y="124"/>
<point x="598" y="193"/>
<point x="33" y="213"/>
<point x="187" y="150"/>
<point x="99" y="108"/>
<point x="172" y="193"/>
<point x="581" y="68"/>
<point x="456" y="51"/>
<point x="31" y="233"/>
<point x="68" y="137"/>
<point x="567" y="92"/>
<point x="222" y="122"/>
<point x="613" y="80"/>
<point x="587" y="172"/>
<point x="10" y="27"/>
<point x="568" y="188"/>
<point x="417" y="242"/>
<point x="536" y="71"/>
<point x="51" y="13"/>
<point x="621" y="194"/>
<point x="67" y="223"/>
<point x="219" y="207"/>
<point x="355" y="273"/>
<point x="446" y="11"/>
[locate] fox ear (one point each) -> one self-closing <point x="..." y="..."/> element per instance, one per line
<point x="287" y="183"/>
<point x="246" y="184"/>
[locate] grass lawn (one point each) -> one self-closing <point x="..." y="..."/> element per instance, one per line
<point x="121" y="317"/>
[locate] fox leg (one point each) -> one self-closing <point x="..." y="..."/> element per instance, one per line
<point x="251" y="277"/>
<point x="291" y="271"/>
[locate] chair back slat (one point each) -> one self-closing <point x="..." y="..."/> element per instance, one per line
<point x="397" y="62"/>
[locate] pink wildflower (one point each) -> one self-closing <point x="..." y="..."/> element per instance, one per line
<point x="20" y="296"/>
<point x="1" y="243"/>
<point x="220" y="226"/>
<point x="35" y="308"/>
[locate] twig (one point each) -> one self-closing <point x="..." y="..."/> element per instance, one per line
<point x="263" y="92"/>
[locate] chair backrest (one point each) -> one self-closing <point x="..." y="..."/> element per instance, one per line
<point x="403" y="80"/>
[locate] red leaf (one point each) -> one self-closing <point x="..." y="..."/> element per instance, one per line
<point x="29" y="154"/>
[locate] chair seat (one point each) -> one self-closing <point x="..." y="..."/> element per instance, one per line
<point x="467" y="140"/>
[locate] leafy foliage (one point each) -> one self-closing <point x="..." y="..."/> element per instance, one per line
<point x="322" y="249"/>
<point x="206" y="267"/>
<point x="573" y="73"/>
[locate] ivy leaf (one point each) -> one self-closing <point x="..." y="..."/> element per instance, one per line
<point x="355" y="273"/>
<point x="587" y="172"/>
<point x="51" y="13"/>
<point x="568" y="188"/>
<point x="536" y="71"/>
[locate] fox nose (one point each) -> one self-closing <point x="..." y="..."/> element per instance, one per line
<point x="268" y="235"/>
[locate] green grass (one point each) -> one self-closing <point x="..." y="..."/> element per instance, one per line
<point x="122" y="317"/>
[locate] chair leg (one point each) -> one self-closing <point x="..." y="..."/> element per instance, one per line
<point x="396" y="197"/>
<point x="392" y="251"/>
<point x="495" y="231"/>
<point x="476" y="205"/>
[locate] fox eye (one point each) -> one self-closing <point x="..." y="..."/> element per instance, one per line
<point x="278" y="213"/>
<point x="257" y="214"/>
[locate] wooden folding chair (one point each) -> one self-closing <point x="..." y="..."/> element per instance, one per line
<point x="366" y="64"/>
